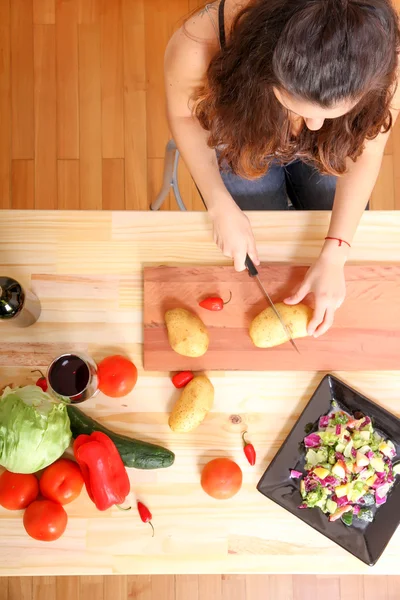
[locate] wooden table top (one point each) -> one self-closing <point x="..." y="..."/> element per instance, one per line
<point x="86" y="268"/>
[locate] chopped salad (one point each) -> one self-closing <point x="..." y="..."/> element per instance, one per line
<point x="349" y="468"/>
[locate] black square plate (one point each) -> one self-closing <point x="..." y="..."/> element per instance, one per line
<point x="364" y="540"/>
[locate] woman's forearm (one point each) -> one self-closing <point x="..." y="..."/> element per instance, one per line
<point x="353" y="192"/>
<point x="231" y="228"/>
<point x="201" y="161"/>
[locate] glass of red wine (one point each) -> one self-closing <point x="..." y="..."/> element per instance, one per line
<point x="73" y="378"/>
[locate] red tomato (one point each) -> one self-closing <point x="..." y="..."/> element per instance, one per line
<point x="45" y="520"/>
<point x="62" y="481"/>
<point x="17" y="490"/>
<point x="117" y="376"/>
<point x="221" y="478"/>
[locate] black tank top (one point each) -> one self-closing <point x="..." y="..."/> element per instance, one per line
<point x="221" y="22"/>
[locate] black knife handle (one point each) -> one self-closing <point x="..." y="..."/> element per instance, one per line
<point x="250" y="266"/>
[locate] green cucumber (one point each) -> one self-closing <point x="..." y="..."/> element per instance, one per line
<point x="134" y="453"/>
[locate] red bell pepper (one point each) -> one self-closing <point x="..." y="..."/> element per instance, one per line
<point x="107" y="482"/>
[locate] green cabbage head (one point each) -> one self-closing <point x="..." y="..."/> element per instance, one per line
<point x="34" y="429"/>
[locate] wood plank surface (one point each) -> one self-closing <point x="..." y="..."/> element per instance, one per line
<point x="16" y="40"/>
<point x="135" y="109"/>
<point x="5" y="105"/>
<point x="44" y="12"/>
<point x="89" y="11"/>
<point x="90" y="116"/>
<point x="113" y="184"/>
<point x="352" y="588"/>
<point x="161" y="19"/>
<point x="187" y="586"/>
<point x="87" y="269"/>
<point x="68" y="588"/>
<point x="67" y="80"/>
<point x="256" y="587"/>
<point x="115" y="76"/>
<point x="283" y="587"/>
<point x="92" y="588"/>
<point x="112" y="92"/>
<point x="23" y="184"/>
<point x="233" y="587"/>
<point x="116" y="587"/>
<point x="163" y="586"/>
<point x="43" y="588"/>
<point x="365" y="335"/>
<point x="68" y="184"/>
<point x="22" y="117"/>
<point x="21" y="588"/>
<point x="45" y="117"/>
<point x="210" y="586"/>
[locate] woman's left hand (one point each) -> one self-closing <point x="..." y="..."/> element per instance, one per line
<point x="325" y="280"/>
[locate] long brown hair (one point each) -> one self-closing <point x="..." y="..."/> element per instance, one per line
<point x="321" y="51"/>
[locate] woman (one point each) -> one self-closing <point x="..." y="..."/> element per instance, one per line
<point x="277" y="98"/>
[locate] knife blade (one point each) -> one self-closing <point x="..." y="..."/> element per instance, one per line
<point x="252" y="270"/>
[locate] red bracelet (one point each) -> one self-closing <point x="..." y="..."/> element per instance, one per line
<point x="338" y="240"/>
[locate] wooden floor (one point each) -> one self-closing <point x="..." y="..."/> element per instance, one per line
<point x="193" y="587"/>
<point x="82" y="121"/>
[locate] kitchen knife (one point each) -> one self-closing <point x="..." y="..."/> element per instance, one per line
<point x="250" y="266"/>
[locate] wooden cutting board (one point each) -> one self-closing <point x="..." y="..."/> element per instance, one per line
<point x="366" y="333"/>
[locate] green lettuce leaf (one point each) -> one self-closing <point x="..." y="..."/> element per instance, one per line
<point x="34" y="429"/>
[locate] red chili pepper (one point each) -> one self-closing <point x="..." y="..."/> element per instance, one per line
<point x="181" y="379"/>
<point x="145" y="514"/>
<point x="42" y="381"/>
<point x="106" y="479"/>
<point x="249" y="450"/>
<point x="214" y="303"/>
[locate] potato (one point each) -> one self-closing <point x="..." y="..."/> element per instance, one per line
<point x="196" y="401"/>
<point x="266" y="330"/>
<point x="187" y="333"/>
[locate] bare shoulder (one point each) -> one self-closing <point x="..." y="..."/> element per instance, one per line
<point x="194" y="44"/>
<point x="187" y="57"/>
<point x="189" y="53"/>
<point x="202" y="26"/>
<point x="396" y="97"/>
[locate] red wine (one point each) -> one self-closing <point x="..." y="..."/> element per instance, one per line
<point x="69" y="375"/>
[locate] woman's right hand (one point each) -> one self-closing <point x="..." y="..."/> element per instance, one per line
<point x="234" y="236"/>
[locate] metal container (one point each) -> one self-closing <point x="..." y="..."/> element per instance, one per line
<point x="17" y="306"/>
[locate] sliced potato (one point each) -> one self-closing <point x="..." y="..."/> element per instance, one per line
<point x="187" y="334"/>
<point x="266" y="330"/>
<point x="195" y="402"/>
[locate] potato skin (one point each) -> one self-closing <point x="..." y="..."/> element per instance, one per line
<point x="187" y="333"/>
<point x="266" y="330"/>
<point x="195" y="402"/>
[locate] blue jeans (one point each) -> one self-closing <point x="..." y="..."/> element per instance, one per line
<point x="303" y="184"/>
